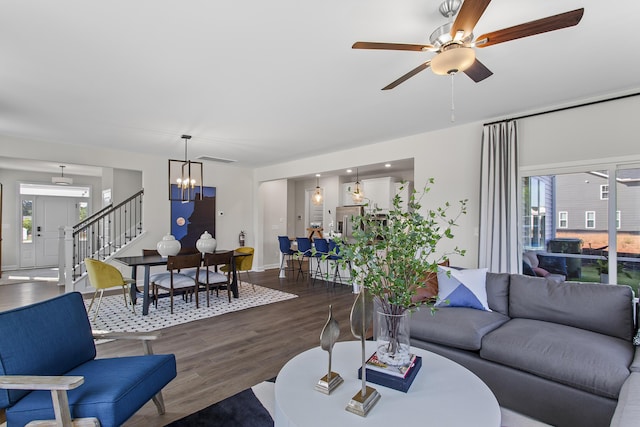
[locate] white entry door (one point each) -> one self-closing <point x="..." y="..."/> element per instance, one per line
<point x="50" y="213"/>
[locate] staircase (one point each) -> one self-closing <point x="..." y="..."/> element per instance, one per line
<point x="99" y="236"/>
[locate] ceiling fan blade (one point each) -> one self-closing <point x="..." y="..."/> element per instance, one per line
<point x="468" y="16"/>
<point x="478" y="72"/>
<point x="551" y="23"/>
<point x="391" y="46"/>
<point x="407" y="76"/>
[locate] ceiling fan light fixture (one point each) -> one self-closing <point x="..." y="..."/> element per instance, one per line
<point x="453" y="59"/>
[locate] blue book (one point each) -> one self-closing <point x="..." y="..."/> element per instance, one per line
<point x="392" y="381"/>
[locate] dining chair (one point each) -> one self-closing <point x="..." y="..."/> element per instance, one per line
<point x="176" y="282"/>
<point x="321" y="250"/>
<point x="210" y="275"/>
<point x="103" y="276"/>
<point x="287" y="252"/>
<point x="243" y="263"/>
<point x="304" y="251"/>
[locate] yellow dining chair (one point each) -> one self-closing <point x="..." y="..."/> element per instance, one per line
<point x="103" y="276"/>
<point x="243" y="263"/>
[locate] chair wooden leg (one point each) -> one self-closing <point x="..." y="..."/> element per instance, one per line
<point x="171" y="299"/>
<point x="206" y="290"/>
<point x="159" y="402"/>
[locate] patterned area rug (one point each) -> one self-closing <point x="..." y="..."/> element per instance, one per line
<point x="114" y="316"/>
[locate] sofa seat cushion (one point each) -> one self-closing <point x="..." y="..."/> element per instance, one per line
<point x="457" y="327"/>
<point x="582" y="359"/>
<point x="132" y="382"/>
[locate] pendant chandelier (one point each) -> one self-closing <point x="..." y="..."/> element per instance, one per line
<point x="317" y="196"/>
<point x="357" y="195"/>
<point x="185" y="178"/>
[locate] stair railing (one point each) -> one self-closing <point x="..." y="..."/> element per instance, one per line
<point x="102" y="234"/>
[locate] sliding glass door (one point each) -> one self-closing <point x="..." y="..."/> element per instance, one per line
<point x="587" y="221"/>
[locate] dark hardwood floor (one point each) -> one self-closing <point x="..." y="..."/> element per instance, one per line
<point x="221" y="356"/>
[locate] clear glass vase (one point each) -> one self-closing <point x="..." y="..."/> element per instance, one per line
<point x="391" y="332"/>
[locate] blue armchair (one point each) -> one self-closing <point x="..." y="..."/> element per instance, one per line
<point x="48" y="368"/>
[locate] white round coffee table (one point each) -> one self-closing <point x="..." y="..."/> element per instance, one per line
<point x="442" y="394"/>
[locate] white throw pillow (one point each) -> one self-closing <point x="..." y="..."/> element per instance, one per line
<point x="462" y="288"/>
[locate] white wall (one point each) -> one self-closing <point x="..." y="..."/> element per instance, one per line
<point x="234" y="188"/>
<point x="11" y="222"/>
<point x="585" y="135"/>
<point x="451" y="156"/>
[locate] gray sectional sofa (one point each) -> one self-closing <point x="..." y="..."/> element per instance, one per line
<point x="558" y="352"/>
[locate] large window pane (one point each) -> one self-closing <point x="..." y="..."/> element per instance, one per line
<point x="628" y="226"/>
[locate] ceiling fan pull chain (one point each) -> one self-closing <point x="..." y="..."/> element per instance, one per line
<point x="453" y="110"/>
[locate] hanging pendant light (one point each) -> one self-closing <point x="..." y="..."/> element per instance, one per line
<point x="317" y="196"/>
<point x="62" y="180"/>
<point x="185" y="178"/>
<point x="357" y="195"/>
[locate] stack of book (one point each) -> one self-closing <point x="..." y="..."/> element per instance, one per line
<point x="398" y="378"/>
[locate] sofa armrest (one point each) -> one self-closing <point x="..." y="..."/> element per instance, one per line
<point x="628" y="409"/>
<point x="145" y="337"/>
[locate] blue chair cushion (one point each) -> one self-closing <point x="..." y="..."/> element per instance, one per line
<point x="113" y="390"/>
<point x="38" y="340"/>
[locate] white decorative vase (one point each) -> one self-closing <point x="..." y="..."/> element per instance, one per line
<point x="168" y="246"/>
<point x="206" y="243"/>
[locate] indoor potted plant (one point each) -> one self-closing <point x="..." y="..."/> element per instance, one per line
<point x="390" y="256"/>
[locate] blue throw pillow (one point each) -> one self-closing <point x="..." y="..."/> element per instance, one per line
<point x="462" y="288"/>
<point x="553" y="264"/>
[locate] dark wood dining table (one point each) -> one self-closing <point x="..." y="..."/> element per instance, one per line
<point x="148" y="261"/>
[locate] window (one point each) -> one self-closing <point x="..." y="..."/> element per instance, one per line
<point x="537" y="191"/>
<point x="27" y="224"/>
<point x="563" y="219"/>
<point x="590" y="219"/>
<point x="578" y="194"/>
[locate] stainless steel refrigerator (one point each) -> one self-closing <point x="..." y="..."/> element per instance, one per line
<point x="344" y="215"/>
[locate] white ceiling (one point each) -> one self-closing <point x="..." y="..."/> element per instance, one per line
<point x="267" y="81"/>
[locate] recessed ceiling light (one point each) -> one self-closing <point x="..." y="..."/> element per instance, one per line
<point x="318" y="174"/>
<point x="388" y="165"/>
<point x="349" y="171"/>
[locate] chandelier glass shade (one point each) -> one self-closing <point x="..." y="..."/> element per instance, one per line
<point x="185" y="178"/>
<point x="357" y="196"/>
<point x="316" y="199"/>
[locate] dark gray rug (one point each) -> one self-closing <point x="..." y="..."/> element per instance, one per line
<point x="241" y="410"/>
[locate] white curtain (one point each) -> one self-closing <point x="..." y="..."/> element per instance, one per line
<point x="498" y="249"/>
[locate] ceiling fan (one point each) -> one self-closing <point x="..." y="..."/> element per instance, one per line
<point x="454" y="44"/>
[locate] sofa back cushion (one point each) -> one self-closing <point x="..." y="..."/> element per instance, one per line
<point x="606" y="309"/>
<point x="498" y="292"/>
<point x="47" y="338"/>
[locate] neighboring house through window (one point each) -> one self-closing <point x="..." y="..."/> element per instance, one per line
<point x="604" y="192"/>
